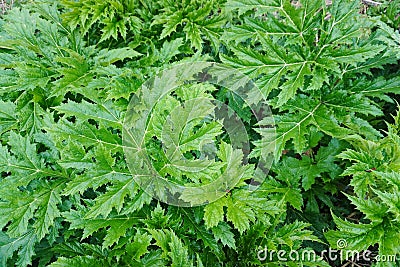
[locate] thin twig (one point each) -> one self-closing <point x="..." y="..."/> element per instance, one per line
<point x="371" y="2"/>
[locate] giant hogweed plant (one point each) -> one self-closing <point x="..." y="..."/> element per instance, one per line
<point x="70" y="68"/>
<point x="375" y="178"/>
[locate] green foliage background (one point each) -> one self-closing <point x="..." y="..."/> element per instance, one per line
<point x="69" y="68"/>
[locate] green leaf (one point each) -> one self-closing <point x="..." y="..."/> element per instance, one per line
<point x="392" y="201"/>
<point x="84" y="132"/>
<point x="8" y="120"/>
<point x="9" y="245"/>
<point x="244" y="5"/>
<point x="75" y="73"/>
<point x="292" y="233"/>
<point x="136" y="203"/>
<point x="47" y="212"/>
<point x="373" y="210"/>
<point x="223" y="233"/>
<point x="24" y="165"/>
<point x="107" y="57"/>
<point x="240" y="215"/>
<point x="193" y="34"/>
<point x="295" y="126"/>
<point x="170" y="49"/>
<point x="79" y="261"/>
<point x="113" y="198"/>
<point x="40" y="207"/>
<point x="360" y="236"/>
<point x="311" y="167"/>
<point x="104" y="113"/>
<point x="116" y="226"/>
<point x="169" y="26"/>
<point x="288" y="189"/>
<point x="214" y="213"/>
<point x="30" y="117"/>
<point x="172" y="247"/>
<point x="139" y="246"/>
<point x="97" y="174"/>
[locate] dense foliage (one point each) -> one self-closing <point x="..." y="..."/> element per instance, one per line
<point x="68" y="70"/>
